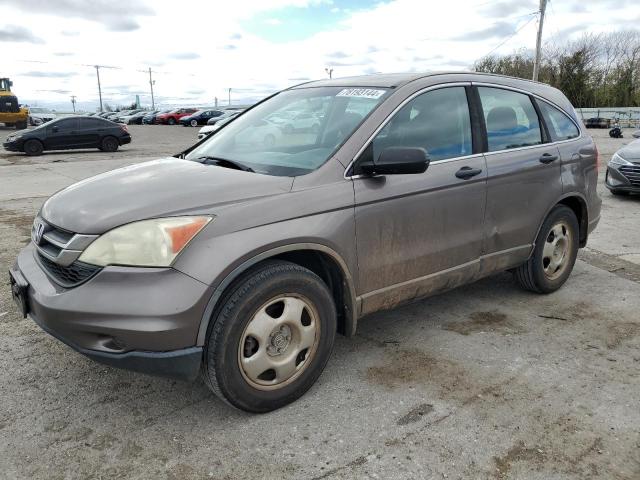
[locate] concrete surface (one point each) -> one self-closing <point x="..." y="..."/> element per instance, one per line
<point x="486" y="381"/>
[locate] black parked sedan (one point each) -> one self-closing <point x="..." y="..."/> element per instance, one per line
<point x="201" y="117"/>
<point x="69" y="133"/>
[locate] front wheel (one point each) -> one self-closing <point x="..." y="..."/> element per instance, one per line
<point x="271" y="337"/>
<point x="554" y="254"/>
<point x="194" y="123"/>
<point x="33" y="147"/>
<point x="171" y="121"/>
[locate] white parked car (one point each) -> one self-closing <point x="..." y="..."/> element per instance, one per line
<point x="303" y="121"/>
<point x="39" y="115"/>
<point x="264" y="133"/>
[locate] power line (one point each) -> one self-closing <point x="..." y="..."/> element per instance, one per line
<point x="509" y="38"/>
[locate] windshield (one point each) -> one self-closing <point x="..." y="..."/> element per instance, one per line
<point x="38" y="110"/>
<point x="294" y="132"/>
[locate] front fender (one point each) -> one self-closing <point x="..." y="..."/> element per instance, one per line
<point x="270" y="253"/>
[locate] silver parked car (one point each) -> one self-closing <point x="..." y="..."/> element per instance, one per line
<point x="242" y="258"/>
<point x="623" y="170"/>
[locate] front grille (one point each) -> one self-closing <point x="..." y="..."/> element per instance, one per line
<point x="632" y="173"/>
<point x="72" y="276"/>
<point x="57" y="245"/>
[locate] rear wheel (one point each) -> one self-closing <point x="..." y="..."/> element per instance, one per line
<point x="109" y="144"/>
<point x="554" y="254"/>
<point x="194" y="123"/>
<point x="21" y="125"/>
<point x="171" y="121"/>
<point x="271" y="337"/>
<point x="33" y="147"/>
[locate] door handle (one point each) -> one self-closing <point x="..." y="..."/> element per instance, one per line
<point x="467" y="172"/>
<point x="548" y="158"/>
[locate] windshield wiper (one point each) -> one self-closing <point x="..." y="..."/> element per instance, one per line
<point x="224" y="162"/>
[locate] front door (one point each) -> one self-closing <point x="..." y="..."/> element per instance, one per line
<point x="421" y="233"/>
<point x="523" y="176"/>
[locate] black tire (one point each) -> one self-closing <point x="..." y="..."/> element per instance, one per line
<point x="193" y="123"/>
<point x="221" y="364"/>
<point x="171" y="121"/>
<point x="22" y="125"/>
<point x="33" y="147"/>
<point x="531" y="275"/>
<point x="109" y="144"/>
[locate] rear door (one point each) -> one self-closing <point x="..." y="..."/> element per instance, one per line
<point x="420" y="233"/>
<point x="524" y="178"/>
<point x="62" y="134"/>
<point x="89" y="132"/>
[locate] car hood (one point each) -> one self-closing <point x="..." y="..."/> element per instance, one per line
<point x="159" y="188"/>
<point x="631" y="152"/>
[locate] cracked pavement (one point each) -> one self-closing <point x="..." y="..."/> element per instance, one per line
<point x="485" y="381"/>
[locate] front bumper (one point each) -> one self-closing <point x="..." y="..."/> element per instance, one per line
<point x="125" y="139"/>
<point x="616" y="180"/>
<point x="141" y="319"/>
<point x="12" y="146"/>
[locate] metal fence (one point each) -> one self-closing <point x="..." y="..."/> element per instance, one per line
<point x="626" y="116"/>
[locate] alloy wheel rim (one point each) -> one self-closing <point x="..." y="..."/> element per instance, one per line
<point x="557" y="250"/>
<point x="279" y="342"/>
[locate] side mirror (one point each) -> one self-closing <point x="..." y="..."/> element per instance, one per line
<point x="398" y="161"/>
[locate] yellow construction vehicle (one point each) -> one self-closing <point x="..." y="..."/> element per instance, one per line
<point x="10" y="112"/>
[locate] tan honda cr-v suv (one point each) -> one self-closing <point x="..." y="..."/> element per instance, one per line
<point x="242" y="257"/>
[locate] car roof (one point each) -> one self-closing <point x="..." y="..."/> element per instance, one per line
<point x="395" y="80"/>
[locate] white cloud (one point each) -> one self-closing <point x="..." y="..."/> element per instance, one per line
<point x="196" y="60"/>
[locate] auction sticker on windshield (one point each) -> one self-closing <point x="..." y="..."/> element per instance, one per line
<point x="361" y="93"/>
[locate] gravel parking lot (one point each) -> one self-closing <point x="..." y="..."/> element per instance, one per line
<point x="486" y="381"/>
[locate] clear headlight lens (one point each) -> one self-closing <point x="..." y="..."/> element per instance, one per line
<point x="147" y="243"/>
<point x="618" y="160"/>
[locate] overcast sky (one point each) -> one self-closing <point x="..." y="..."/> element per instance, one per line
<point x="199" y="48"/>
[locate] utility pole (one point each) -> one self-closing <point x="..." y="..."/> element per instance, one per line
<point x="151" y="83"/>
<point x="536" y="65"/>
<point x="229" y="96"/>
<point x="99" y="88"/>
<point x="73" y="102"/>
<point x="329" y="72"/>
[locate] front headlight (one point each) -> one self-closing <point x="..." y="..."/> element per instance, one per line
<point x="147" y="243"/>
<point x="618" y="160"/>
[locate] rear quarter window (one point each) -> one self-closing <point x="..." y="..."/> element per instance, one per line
<point x="560" y="126"/>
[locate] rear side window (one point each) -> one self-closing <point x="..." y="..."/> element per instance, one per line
<point x="87" y="123"/>
<point x="559" y="124"/>
<point x="511" y="119"/>
<point x="437" y="121"/>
